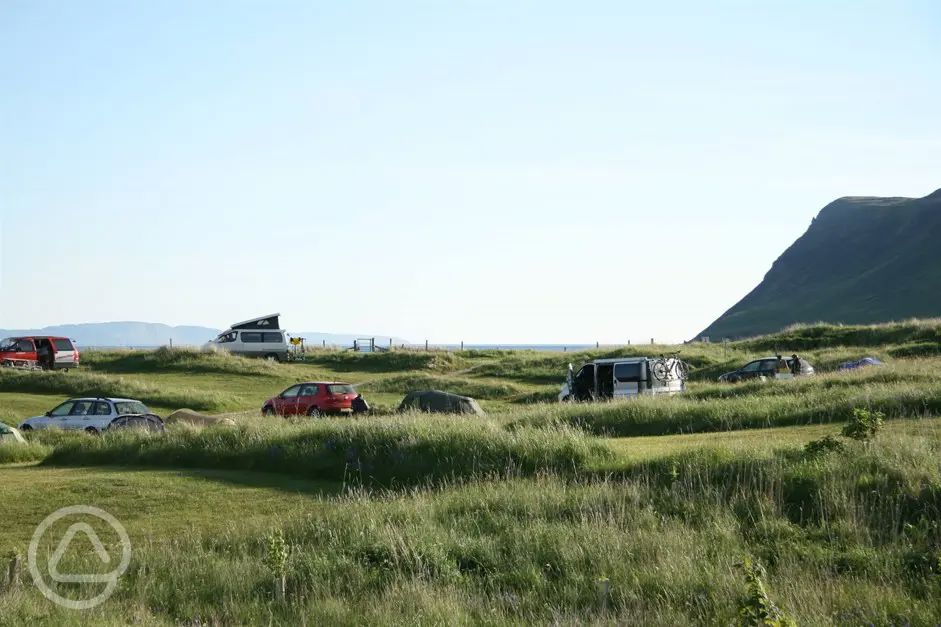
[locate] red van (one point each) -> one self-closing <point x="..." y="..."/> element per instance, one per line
<point x="36" y="352"/>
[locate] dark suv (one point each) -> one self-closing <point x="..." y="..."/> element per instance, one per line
<point x="770" y="368"/>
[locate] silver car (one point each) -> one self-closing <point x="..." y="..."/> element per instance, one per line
<point x="92" y="415"/>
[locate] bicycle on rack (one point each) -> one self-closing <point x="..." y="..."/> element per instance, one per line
<point x="666" y="369"/>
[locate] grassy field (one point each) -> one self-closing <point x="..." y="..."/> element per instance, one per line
<point x="631" y="512"/>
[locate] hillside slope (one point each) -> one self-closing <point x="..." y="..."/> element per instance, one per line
<point x="862" y="260"/>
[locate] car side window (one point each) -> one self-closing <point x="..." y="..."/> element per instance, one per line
<point x="63" y="409"/>
<point x="25" y="346"/>
<point x="102" y="409"/>
<point x="309" y="390"/>
<point x="769" y="364"/>
<point x="291" y="392"/>
<point x="752" y="367"/>
<point x="82" y="408"/>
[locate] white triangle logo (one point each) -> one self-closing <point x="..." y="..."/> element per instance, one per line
<point x="57" y="555"/>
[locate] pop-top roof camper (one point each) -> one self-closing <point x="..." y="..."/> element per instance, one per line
<point x="266" y="323"/>
<point x="258" y="337"/>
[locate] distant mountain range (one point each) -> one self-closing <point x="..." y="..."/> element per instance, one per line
<point x="862" y="260"/>
<point x="150" y="334"/>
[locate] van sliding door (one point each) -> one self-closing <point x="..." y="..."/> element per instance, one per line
<point x="629" y="378"/>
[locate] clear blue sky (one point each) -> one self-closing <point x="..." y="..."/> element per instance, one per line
<point x="492" y="171"/>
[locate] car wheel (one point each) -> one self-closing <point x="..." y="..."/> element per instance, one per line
<point x="313" y="412"/>
<point x="26" y="428"/>
<point x="92" y="431"/>
<point x="267" y="411"/>
<point x="271" y="357"/>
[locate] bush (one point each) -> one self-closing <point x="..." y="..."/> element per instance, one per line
<point x="864" y="424"/>
<point x="756" y="608"/>
<point x="824" y="445"/>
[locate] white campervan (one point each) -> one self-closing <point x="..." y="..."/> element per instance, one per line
<point x="259" y="337"/>
<point x="623" y="377"/>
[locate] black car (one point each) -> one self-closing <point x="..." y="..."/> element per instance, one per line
<point x="770" y="368"/>
<point x="138" y="422"/>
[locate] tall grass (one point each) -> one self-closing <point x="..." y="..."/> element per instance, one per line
<point x="823" y="335"/>
<point x="466" y="386"/>
<point x="391" y="361"/>
<point x="847" y="538"/>
<point x="897" y="392"/>
<point x="165" y="359"/>
<point x="409" y="449"/>
<point x="100" y="385"/>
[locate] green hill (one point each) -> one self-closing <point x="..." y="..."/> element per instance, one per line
<point x="862" y="260"/>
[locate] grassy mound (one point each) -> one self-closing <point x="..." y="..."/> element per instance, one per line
<point x="408" y="449"/>
<point x="93" y="384"/>
<point x="816" y="336"/>
<point x="166" y="359"/>
<point x="464" y="386"/>
<point x="394" y="361"/>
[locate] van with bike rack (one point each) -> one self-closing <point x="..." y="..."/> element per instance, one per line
<point x="625" y="377"/>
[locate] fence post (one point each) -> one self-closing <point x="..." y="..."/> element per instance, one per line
<point x="651" y="341"/>
<point x="462" y="345"/>
<point x="426" y="344"/>
<point x="13" y="571"/>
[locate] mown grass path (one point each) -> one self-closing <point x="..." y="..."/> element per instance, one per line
<point x="152" y="504"/>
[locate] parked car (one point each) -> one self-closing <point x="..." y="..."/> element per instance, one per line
<point x="313" y="398"/>
<point x="622" y="377"/>
<point x="139" y="422"/>
<point x="770" y="368"/>
<point x="260" y="337"/>
<point x="34" y="352"/>
<point x="93" y="415"/>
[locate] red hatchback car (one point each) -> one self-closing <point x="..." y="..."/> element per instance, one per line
<point x="39" y="352"/>
<point x="313" y="398"/>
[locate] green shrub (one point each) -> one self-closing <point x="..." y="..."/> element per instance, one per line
<point x="756" y="608"/>
<point x="864" y="424"/>
<point x="826" y="444"/>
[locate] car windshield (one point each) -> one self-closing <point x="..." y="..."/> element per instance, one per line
<point x="8" y="344"/>
<point x="341" y="388"/>
<point x="131" y="407"/>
